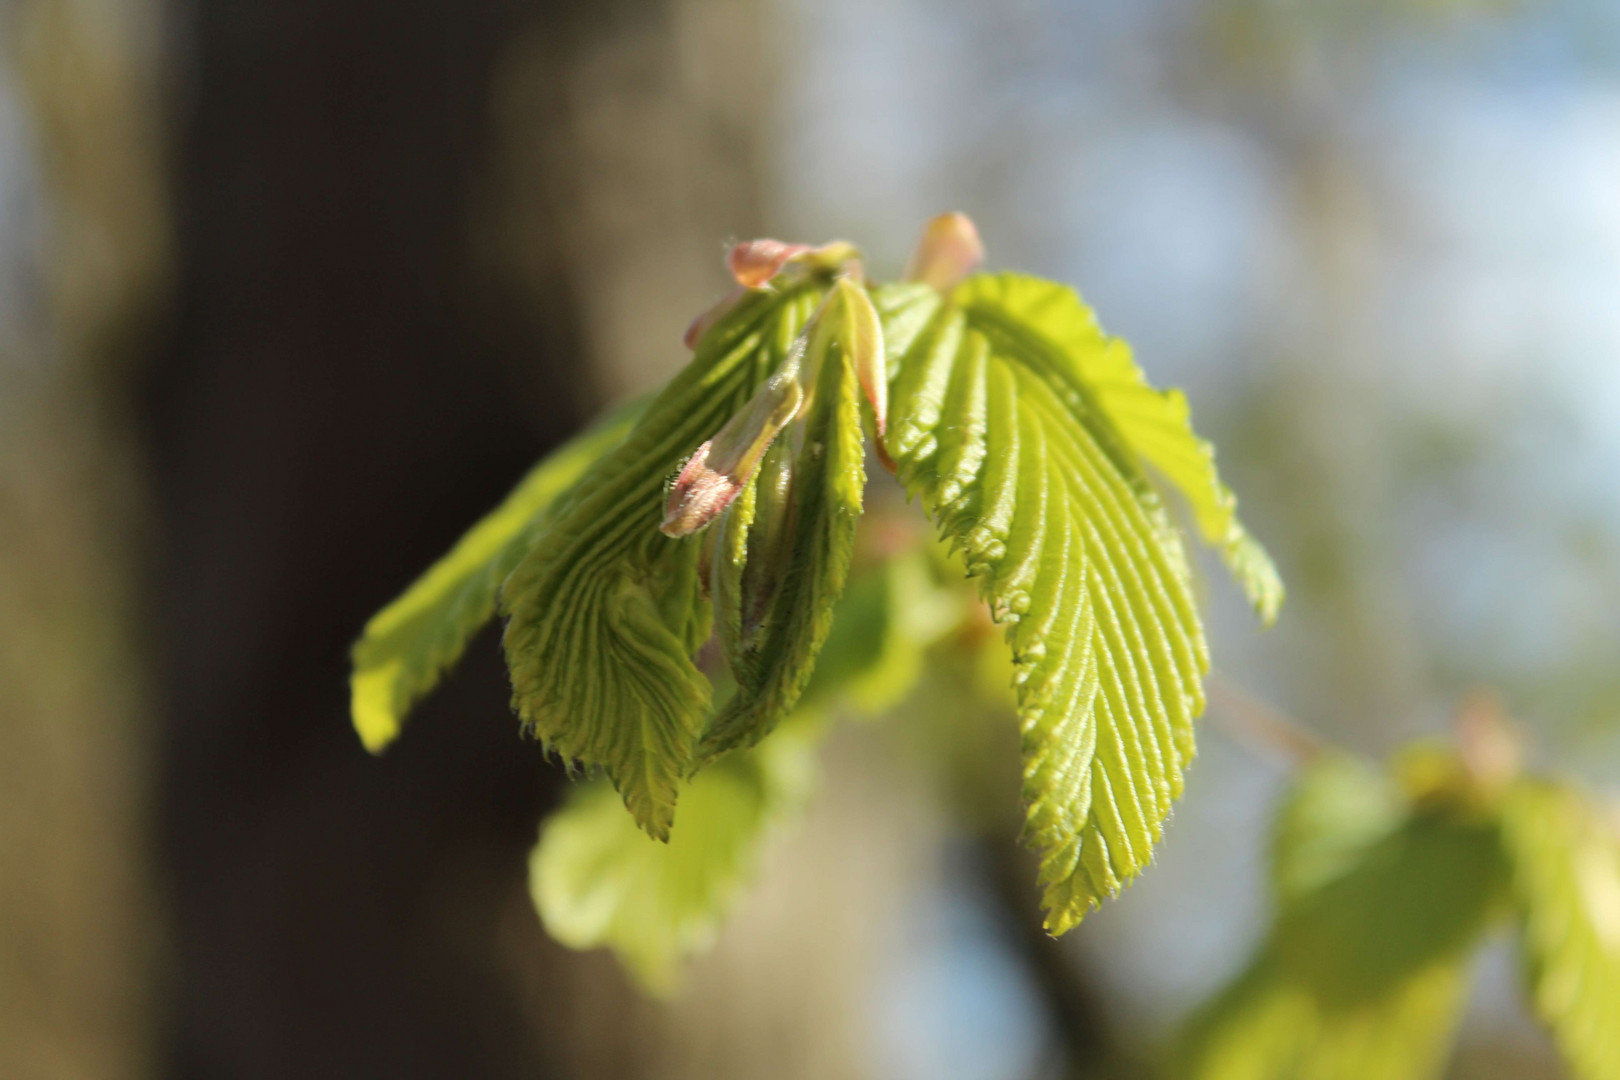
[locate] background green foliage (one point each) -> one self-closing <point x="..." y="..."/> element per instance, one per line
<point x="1385" y="883"/>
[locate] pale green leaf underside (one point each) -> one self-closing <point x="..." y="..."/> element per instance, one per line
<point x="408" y="645"/>
<point x="598" y="880"/>
<point x="1012" y="454"/>
<point x="1566" y="881"/>
<point x="605" y="611"/>
<point x="1155" y="424"/>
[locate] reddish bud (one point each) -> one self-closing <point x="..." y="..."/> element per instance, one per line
<point x="1490" y="749"/>
<point x="755" y="262"/>
<point x="946" y="253"/>
<point x="698" y="496"/>
<point x="720" y="468"/>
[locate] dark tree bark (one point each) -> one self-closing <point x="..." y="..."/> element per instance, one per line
<point x="332" y="410"/>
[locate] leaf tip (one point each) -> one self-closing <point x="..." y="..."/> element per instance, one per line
<point x="372" y="710"/>
<point x="885" y="458"/>
<point x="863" y="334"/>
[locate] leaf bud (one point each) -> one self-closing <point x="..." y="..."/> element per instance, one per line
<point x="717" y="471"/>
<point x="946" y="253"/>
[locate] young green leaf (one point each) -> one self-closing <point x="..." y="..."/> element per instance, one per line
<point x="746" y="549"/>
<point x="597" y="880"/>
<point x="1404" y="1033"/>
<point x="861" y="335"/>
<point x="1155" y="424"/>
<point x="1566" y="882"/>
<point x="1421" y="895"/>
<point x="408" y="645"/>
<point x="994" y="426"/>
<point x="723" y="466"/>
<point x="605" y="610"/>
<point x="1028" y="436"/>
<point x="806" y="557"/>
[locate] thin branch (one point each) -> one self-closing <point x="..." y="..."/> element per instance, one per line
<point x="1260" y="726"/>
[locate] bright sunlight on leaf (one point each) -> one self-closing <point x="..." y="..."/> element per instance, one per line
<point x="1155" y="424"/>
<point x="997" y="426"/>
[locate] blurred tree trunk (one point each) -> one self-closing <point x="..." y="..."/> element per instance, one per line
<point x="330" y="413"/>
<point x="83" y="256"/>
<point x="416" y="243"/>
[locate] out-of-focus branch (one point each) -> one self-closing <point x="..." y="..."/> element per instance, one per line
<point x="1258" y="725"/>
<point x="1089" y="1046"/>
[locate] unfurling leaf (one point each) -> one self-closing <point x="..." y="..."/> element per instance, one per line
<point x="605" y="612"/>
<point x="995" y="428"/>
<point x="1156" y="425"/>
<point x="750" y="546"/>
<point x="862" y="336"/>
<point x="408" y="645"/>
<point x="754" y="262"/>
<point x="1028" y="436"/>
<point x="720" y="467"/>
<point x="810" y="540"/>
<point x="1565" y="860"/>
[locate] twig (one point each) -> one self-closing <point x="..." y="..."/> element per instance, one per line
<point x="1260" y="726"/>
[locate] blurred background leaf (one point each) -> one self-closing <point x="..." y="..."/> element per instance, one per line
<point x="1566" y="875"/>
<point x="1380" y="905"/>
<point x="599" y="880"/>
